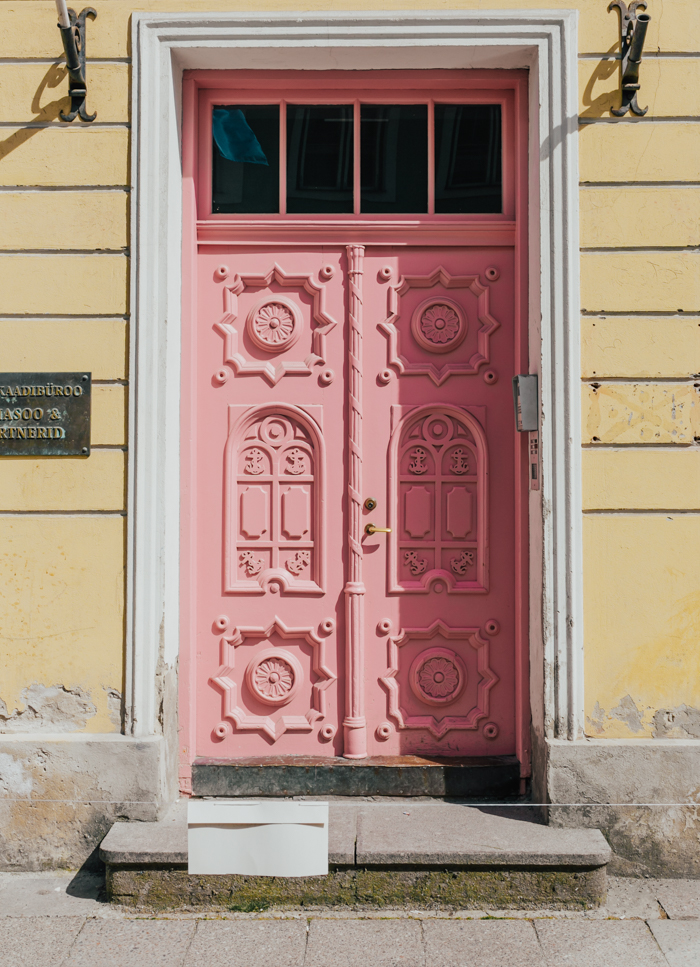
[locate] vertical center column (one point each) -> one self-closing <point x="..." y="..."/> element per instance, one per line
<point x="355" y="724"/>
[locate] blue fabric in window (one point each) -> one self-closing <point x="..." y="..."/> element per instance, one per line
<point x="235" y="138"/>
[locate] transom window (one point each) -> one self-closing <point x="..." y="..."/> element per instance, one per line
<point x="357" y="158"/>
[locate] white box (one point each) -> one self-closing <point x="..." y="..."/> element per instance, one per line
<point x="257" y="837"/>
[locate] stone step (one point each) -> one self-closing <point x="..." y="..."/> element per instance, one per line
<point x="417" y="854"/>
<point x="485" y="777"/>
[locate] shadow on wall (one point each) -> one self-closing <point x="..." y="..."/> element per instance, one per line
<point x="602" y="105"/>
<point x="50" y="112"/>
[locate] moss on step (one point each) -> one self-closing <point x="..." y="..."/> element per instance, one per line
<point x="362" y="889"/>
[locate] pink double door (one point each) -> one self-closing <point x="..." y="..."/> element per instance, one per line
<point x="356" y="575"/>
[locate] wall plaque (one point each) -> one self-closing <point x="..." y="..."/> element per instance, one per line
<point x="45" y="414"/>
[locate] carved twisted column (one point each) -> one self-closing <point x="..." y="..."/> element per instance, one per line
<point x="355" y="725"/>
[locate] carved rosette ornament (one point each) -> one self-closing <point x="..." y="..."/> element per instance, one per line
<point x="438" y="676"/>
<point x="440" y="326"/>
<point x="274" y="676"/>
<point x="274" y="325"/>
<point x="273" y="679"/>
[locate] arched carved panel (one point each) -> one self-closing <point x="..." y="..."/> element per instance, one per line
<point x="274" y="479"/>
<point x="438" y="469"/>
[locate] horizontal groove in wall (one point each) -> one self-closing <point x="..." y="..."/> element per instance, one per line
<point x="641" y="446"/>
<point x="671" y="447"/>
<point x="60" y="61"/>
<point x="683" y="119"/>
<point x="30" y="189"/>
<point x="62" y="315"/>
<point x="631" y="185"/>
<point x="65" y="318"/>
<point x="685" y="378"/>
<point x="635" y="250"/>
<point x="658" y="54"/>
<point x="64" y="126"/>
<point x="63" y="513"/>
<point x="60" y="253"/>
<point x="65" y="251"/>
<point x="642" y="313"/>
<point x="624" y="512"/>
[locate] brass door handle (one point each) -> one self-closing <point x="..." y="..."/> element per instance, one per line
<point x="371" y="529"/>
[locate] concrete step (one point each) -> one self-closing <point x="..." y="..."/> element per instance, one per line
<point x="486" y="777"/>
<point x="406" y="854"/>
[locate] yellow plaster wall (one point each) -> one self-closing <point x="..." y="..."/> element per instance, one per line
<point x="65" y="345"/>
<point x="81" y="484"/>
<point x="63" y="307"/>
<point x="53" y="157"/>
<point x="38" y="92"/>
<point x="645" y="346"/>
<point x="649" y="151"/>
<point x="64" y="219"/>
<point x="642" y="616"/>
<point x="641" y="478"/>
<point x="63" y="284"/>
<point x="640" y="349"/>
<point x="671" y="87"/>
<point x="640" y="281"/>
<point x="640" y="413"/>
<point x="640" y="338"/>
<point x="63" y="613"/>
<point x="639" y="216"/>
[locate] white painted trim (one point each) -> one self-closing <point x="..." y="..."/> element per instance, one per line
<point x="166" y="44"/>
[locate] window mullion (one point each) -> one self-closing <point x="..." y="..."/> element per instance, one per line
<point x="356" y="157"/>
<point x="283" y="157"/>
<point x="431" y="157"/>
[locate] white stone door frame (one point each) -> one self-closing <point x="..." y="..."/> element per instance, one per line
<point x="163" y="46"/>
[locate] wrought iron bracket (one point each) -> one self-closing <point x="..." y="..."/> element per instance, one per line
<point x="633" y="29"/>
<point x="74" y="46"/>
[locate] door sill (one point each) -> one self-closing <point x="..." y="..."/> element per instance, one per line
<point x="482" y="778"/>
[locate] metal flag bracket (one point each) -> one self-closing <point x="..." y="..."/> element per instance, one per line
<point x="633" y="30"/>
<point x="72" y="29"/>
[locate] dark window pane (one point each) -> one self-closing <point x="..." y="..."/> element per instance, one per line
<point x="246" y="158"/>
<point x="394" y="157"/>
<point x="319" y="159"/>
<point x="468" y="158"/>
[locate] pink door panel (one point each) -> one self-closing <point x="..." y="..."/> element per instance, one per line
<point x="270" y="472"/>
<point x="440" y="617"/>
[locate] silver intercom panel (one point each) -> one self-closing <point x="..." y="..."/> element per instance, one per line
<point x="525" y="397"/>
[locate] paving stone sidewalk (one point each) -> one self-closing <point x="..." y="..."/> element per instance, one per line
<point x="59" y="920"/>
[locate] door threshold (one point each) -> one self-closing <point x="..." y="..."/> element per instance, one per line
<point x="478" y="778"/>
